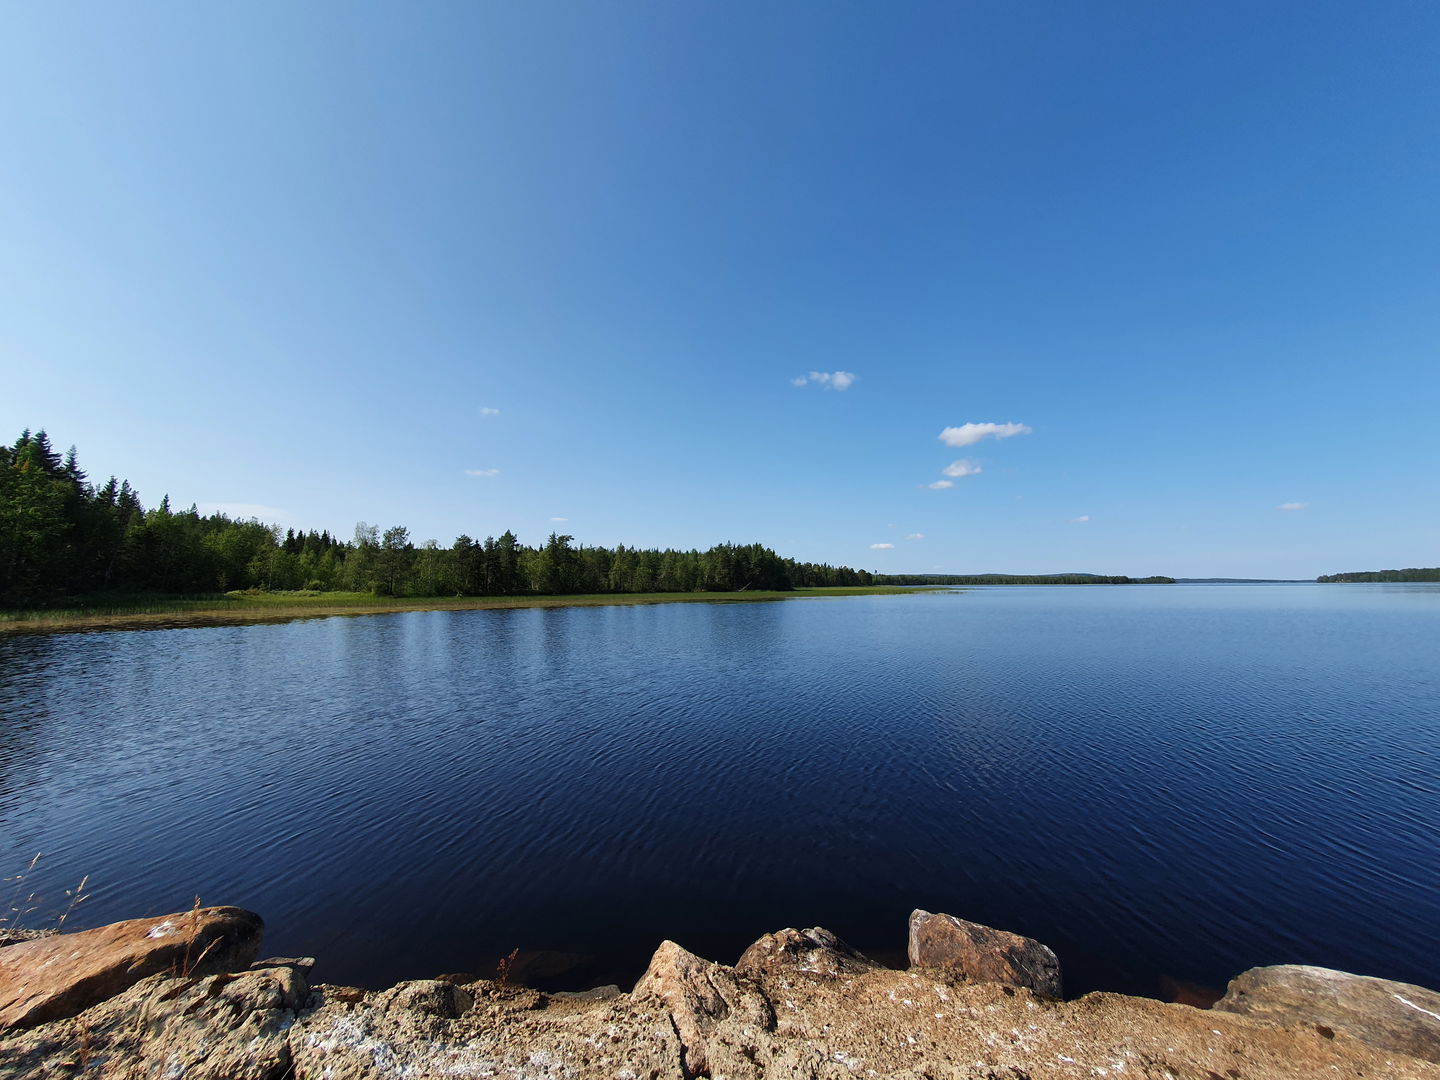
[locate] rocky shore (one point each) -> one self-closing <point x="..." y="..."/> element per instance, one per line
<point x="185" y="996"/>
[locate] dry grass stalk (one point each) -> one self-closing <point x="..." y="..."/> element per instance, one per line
<point x="503" y="968"/>
<point x="77" y="896"/>
<point x="18" y="908"/>
<point x="11" y="928"/>
<point x="192" y="961"/>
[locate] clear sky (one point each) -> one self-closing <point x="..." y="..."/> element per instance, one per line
<point x="476" y="266"/>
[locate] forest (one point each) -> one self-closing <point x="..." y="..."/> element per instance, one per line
<point x="64" y="539"/>
<point x="1412" y="573"/>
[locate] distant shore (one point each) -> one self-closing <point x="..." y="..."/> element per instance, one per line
<point x="263" y="607"/>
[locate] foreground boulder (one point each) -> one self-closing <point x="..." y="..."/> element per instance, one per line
<point x="56" y="977"/>
<point x="802" y="1006"/>
<point x="981" y="954"/>
<point x="505" y="1031"/>
<point x="699" y="996"/>
<point x="815" y="951"/>
<point x="234" y="1027"/>
<point x="1388" y="1015"/>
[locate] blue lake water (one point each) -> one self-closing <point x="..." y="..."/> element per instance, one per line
<point x="1179" y="781"/>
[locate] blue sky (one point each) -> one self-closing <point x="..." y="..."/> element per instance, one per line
<point x="478" y="266"/>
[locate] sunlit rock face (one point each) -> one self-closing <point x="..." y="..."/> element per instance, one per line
<point x="800" y="1004"/>
<point x="977" y="953"/>
<point x="1387" y="1015"/>
<point x="59" y="976"/>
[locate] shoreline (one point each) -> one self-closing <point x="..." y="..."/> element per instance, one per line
<point x="281" y="607"/>
<point x="189" y="992"/>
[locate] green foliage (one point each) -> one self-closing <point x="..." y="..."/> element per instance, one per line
<point x="1413" y="573"/>
<point x="64" y="542"/>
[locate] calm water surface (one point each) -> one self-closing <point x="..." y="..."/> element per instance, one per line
<point x="1177" y="781"/>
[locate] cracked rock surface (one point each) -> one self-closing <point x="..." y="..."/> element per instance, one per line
<point x="802" y="1004"/>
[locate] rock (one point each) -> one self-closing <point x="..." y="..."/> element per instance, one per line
<point x="699" y="995"/>
<point x="981" y="954"/>
<point x="14" y="937"/>
<point x="804" y="1007"/>
<point x="430" y="997"/>
<point x="501" y="1036"/>
<point x="57" y="977"/>
<point x="1388" y="1015"/>
<point x="459" y="978"/>
<point x="304" y="963"/>
<point x="815" y="951"/>
<point x="608" y="992"/>
<point x="234" y="1027"/>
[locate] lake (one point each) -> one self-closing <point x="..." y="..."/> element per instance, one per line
<point x="1157" y="781"/>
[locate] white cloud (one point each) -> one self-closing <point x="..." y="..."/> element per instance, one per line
<point x="482" y="472"/>
<point x="270" y="515"/>
<point x="941" y="485"/>
<point x="915" y="536"/>
<point x="1293" y="506"/>
<point x="830" y="380"/>
<point x="559" y="519"/>
<point x="963" y="467"/>
<point x="969" y="434"/>
<point x="1080" y="520"/>
<point x="881" y="547"/>
<point x="486" y="410"/>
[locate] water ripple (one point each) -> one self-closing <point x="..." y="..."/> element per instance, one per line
<point x="1178" y="781"/>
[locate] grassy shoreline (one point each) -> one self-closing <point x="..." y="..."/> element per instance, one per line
<point x="259" y="607"/>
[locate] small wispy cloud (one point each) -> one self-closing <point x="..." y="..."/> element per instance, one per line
<point x="830" y="380"/>
<point x="915" y="536"/>
<point x="482" y="472"/>
<point x="1293" y="506"/>
<point x="1080" y="520"/>
<point x="486" y="410"/>
<point x="969" y="434"/>
<point x="881" y="547"/>
<point x="963" y="467"/>
<point x="559" y="519"/>
<point x="941" y="485"/>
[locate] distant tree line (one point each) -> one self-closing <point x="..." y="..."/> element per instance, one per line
<point x="1412" y="573"/>
<point x="64" y="538"/>
<point x="1017" y="579"/>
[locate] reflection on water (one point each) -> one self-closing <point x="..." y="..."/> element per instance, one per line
<point x="1165" y="782"/>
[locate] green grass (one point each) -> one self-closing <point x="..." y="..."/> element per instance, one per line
<point x="255" y="606"/>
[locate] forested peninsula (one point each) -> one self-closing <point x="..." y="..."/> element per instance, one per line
<point x="1412" y="573"/>
<point x="64" y="539"/>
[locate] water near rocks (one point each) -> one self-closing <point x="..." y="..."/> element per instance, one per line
<point x="1160" y="783"/>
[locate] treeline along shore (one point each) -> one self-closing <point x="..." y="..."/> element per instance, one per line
<point x="68" y="543"/>
<point x="1412" y="573"/>
<point x="64" y="539"/>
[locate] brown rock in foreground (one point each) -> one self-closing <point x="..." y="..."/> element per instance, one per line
<point x="1387" y="1015"/>
<point x="59" y="976"/>
<point x="699" y="996"/>
<point x="221" y="1027"/>
<point x="981" y="954"/>
<point x="804" y="1007"/>
<point x="815" y="951"/>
